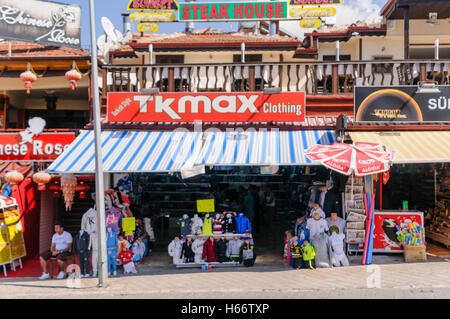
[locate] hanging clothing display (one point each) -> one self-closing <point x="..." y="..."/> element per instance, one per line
<point x="229" y="224"/>
<point x="114" y="219"/>
<point x="196" y="226"/>
<point x="80" y="247"/>
<point x="112" y="244"/>
<point x="217" y="225"/>
<point x="322" y="247"/>
<point x="126" y="257"/>
<point x="89" y="221"/>
<point x="197" y="248"/>
<point x="149" y="229"/>
<point x="174" y="249"/>
<point x="309" y="255"/>
<point x="337" y="246"/>
<point x="296" y="252"/>
<point x="138" y="251"/>
<point x="207" y="226"/>
<point x="185" y="225"/>
<point x="221" y="250"/>
<point x="209" y="251"/>
<point x="187" y="252"/>
<point x="243" y="224"/>
<point x="316" y="227"/>
<point x="247" y="254"/>
<point x="233" y="249"/>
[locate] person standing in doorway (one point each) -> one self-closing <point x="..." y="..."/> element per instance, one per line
<point x="269" y="206"/>
<point x="248" y="204"/>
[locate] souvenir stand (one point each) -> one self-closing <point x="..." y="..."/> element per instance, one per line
<point x="12" y="244"/>
<point x="355" y="215"/>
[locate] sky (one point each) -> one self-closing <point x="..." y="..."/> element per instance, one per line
<point x="350" y="11"/>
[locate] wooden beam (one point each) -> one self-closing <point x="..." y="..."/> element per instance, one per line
<point x="406" y="31"/>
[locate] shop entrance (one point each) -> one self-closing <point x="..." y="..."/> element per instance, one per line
<point x="166" y="198"/>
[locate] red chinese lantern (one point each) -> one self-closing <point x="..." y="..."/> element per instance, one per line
<point x="28" y="78"/>
<point x="14" y="177"/>
<point x="42" y="178"/>
<point x="55" y="189"/>
<point x="82" y="188"/>
<point x="73" y="76"/>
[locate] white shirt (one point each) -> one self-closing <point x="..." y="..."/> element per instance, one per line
<point x="340" y="223"/>
<point x="62" y="241"/>
<point x="316" y="227"/>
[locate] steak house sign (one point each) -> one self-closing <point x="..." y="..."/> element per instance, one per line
<point x="40" y="21"/>
<point x="206" y="107"/>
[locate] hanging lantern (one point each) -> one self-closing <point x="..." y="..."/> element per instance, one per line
<point x="73" y="76"/>
<point x="68" y="185"/>
<point x="42" y="178"/>
<point x="28" y="78"/>
<point x="14" y="177"/>
<point x="82" y="188"/>
<point x="55" y="189"/>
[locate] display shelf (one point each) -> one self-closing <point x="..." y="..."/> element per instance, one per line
<point x="438" y="237"/>
<point x="354" y="215"/>
<point x="226" y="235"/>
<point x="215" y="264"/>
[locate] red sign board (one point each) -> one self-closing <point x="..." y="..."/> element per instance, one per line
<point x="44" y="147"/>
<point x="384" y="235"/>
<point x="206" y="107"/>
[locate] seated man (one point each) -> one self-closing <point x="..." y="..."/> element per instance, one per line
<point x="60" y="249"/>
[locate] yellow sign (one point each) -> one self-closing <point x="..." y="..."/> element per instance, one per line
<point x="310" y="23"/>
<point x="312" y="12"/>
<point x="147" y="27"/>
<point x="314" y="2"/>
<point x="12" y="243"/>
<point x="129" y="225"/>
<point x="205" y="206"/>
<point x="153" y="16"/>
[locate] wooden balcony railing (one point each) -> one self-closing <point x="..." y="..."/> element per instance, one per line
<point x="315" y="78"/>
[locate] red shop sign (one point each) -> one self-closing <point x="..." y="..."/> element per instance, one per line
<point x="384" y="234"/>
<point x="44" y="147"/>
<point x="206" y="107"/>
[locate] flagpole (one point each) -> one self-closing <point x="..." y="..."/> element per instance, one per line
<point x="99" y="178"/>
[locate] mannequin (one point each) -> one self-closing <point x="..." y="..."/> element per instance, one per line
<point x="209" y="250"/>
<point x="301" y="231"/>
<point x="247" y="252"/>
<point x="149" y="229"/>
<point x="186" y="252"/>
<point x="137" y="250"/>
<point x="126" y="256"/>
<point x="233" y="249"/>
<point x="89" y="224"/>
<point x="334" y="219"/>
<point x="185" y="225"/>
<point x="196" y="226"/>
<point x="229" y="224"/>
<point x="112" y="244"/>
<point x="81" y="247"/>
<point x="207" y="225"/>
<point x="217" y="225"/>
<point x="317" y="224"/>
<point x="243" y="224"/>
<point x="174" y="249"/>
<point x="114" y="219"/>
<point x="197" y="248"/>
<point x="221" y="250"/>
<point x="337" y="245"/>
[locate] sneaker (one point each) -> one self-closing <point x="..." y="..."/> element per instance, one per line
<point x="81" y="276"/>
<point x="44" y="276"/>
<point x="94" y="274"/>
<point x="115" y="273"/>
<point x="61" y="275"/>
<point x="86" y="276"/>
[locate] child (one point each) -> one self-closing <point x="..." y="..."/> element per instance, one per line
<point x="296" y="253"/>
<point x="126" y="256"/>
<point x="308" y="255"/>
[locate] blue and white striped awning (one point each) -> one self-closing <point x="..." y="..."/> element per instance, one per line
<point x="271" y="147"/>
<point x="130" y="151"/>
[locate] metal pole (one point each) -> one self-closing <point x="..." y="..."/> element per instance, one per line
<point x="99" y="187"/>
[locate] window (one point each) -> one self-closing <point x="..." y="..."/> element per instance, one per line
<point x="383" y="67"/>
<point x="169" y="59"/>
<point x="342" y="57"/>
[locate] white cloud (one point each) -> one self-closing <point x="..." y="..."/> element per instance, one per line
<point x="350" y="12"/>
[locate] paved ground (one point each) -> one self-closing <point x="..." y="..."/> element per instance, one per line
<point x="389" y="278"/>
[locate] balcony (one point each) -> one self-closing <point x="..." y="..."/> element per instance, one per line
<point x="322" y="81"/>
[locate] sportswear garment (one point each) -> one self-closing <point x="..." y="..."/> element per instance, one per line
<point x="80" y="246"/>
<point x="221" y="250"/>
<point x="127" y="260"/>
<point x="316" y="227"/>
<point x="243" y="224"/>
<point x="337" y="246"/>
<point x="126" y="183"/>
<point x="89" y="221"/>
<point x="93" y="244"/>
<point x="302" y="232"/>
<point x="197" y="248"/>
<point x="229" y="224"/>
<point x="112" y="244"/>
<point x="174" y="249"/>
<point x="185" y="226"/>
<point x="138" y="252"/>
<point x="247" y="254"/>
<point x="217" y="226"/>
<point x="62" y="241"/>
<point x="196" y="226"/>
<point x="187" y="253"/>
<point x="123" y="244"/>
<point x="309" y="254"/>
<point x="114" y="219"/>
<point x="339" y="222"/>
<point x="233" y="248"/>
<point x="112" y="259"/>
<point x="207" y="226"/>
<point x="209" y="251"/>
<point x="324" y="254"/>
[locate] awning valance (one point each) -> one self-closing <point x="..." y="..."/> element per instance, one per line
<point x="271" y="147"/>
<point x="130" y="151"/>
<point x="411" y="146"/>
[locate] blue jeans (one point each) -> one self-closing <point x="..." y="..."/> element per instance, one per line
<point x="112" y="259"/>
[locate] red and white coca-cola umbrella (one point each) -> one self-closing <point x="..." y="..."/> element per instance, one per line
<point x="359" y="158"/>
